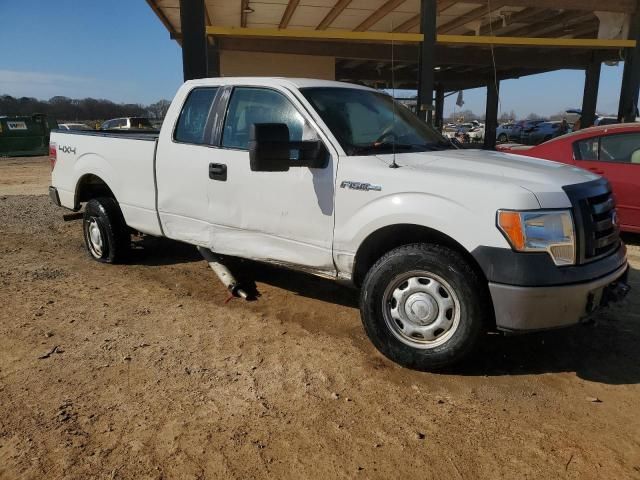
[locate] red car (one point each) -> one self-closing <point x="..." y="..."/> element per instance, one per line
<point x="612" y="151"/>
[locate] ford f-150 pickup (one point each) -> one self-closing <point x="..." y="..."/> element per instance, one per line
<point x="340" y="181"/>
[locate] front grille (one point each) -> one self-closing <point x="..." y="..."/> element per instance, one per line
<point x="594" y="212"/>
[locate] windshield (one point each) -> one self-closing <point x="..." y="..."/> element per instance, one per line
<point x="364" y="122"/>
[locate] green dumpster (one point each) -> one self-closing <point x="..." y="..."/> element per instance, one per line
<point x="23" y="136"/>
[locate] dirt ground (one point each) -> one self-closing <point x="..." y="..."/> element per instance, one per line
<point x="142" y="371"/>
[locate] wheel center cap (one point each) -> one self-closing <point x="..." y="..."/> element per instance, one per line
<point x="421" y="308"/>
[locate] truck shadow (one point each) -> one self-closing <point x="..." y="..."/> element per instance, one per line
<point x="302" y="284"/>
<point x="604" y="350"/>
<point x="158" y="251"/>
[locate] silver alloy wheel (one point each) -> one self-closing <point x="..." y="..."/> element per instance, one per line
<point x="94" y="235"/>
<point x="421" y="309"/>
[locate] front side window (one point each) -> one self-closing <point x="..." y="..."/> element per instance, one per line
<point x="620" y="148"/>
<point x="193" y="120"/>
<point x="624" y="148"/>
<point x="366" y="122"/>
<point x="250" y="105"/>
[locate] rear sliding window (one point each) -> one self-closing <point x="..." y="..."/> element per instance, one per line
<point x="193" y="120"/>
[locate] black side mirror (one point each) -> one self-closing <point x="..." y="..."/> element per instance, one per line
<point x="271" y="151"/>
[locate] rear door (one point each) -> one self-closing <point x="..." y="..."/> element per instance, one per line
<point x="184" y="153"/>
<point x="616" y="157"/>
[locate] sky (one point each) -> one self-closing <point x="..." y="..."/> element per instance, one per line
<point x="119" y="50"/>
<point x="113" y="49"/>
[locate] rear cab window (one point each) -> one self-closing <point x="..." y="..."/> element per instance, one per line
<point x="195" y="125"/>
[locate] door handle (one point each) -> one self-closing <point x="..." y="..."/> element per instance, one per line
<point x="218" y="171"/>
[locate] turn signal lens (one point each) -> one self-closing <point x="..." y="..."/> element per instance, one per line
<point x="511" y="224"/>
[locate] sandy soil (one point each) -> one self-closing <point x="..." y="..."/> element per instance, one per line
<point x="143" y="371"/>
<point x="24" y="175"/>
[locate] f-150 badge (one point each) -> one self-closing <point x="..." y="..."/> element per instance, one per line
<point x="366" y="187"/>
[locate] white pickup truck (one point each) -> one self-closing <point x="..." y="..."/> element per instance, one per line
<point x="340" y="181"/>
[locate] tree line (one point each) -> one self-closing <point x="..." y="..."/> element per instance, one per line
<point x="85" y="109"/>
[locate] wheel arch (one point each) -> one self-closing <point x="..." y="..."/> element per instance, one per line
<point x="387" y="238"/>
<point x="91" y="186"/>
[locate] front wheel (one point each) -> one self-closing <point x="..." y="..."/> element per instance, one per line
<point x="502" y="138"/>
<point x="423" y="306"/>
<point x="106" y="235"/>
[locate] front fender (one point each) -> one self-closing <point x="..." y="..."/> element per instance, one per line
<point x="468" y="227"/>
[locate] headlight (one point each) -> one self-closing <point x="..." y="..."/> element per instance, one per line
<point x="550" y="231"/>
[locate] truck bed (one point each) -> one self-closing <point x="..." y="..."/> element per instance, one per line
<point x="123" y="160"/>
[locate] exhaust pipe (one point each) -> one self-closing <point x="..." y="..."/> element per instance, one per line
<point x="223" y="273"/>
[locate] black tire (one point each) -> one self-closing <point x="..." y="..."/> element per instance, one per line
<point x="102" y="216"/>
<point x="447" y="268"/>
<point x="502" y="137"/>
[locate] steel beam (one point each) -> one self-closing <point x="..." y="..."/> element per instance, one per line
<point x="427" y="57"/>
<point x="590" y="96"/>
<point x="491" y="113"/>
<point x="194" y="40"/>
<point x="418" y="38"/>
<point x="439" y="116"/>
<point x="628" y="107"/>
<point x="288" y="13"/>
<point x="337" y="9"/>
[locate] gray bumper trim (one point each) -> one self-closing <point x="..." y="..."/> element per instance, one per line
<point x="540" y="308"/>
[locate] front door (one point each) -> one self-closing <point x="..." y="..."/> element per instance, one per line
<point x="616" y="157"/>
<point x="280" y="217"/>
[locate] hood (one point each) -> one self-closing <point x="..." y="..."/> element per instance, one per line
<point x="543" y="178"/>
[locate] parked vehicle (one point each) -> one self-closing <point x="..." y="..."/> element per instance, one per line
<point x="476" y="134"/>
<point x="332" y="179"/>
<point x="601" y="121"/>
<point x="612" y="151"/>
<point x="73" y="126"/>
<point x="25" y="135"/>
<point x="543" y="132"/>
<point x="503" y="131"/>
<point x="128" y="123"/>
<point x="521" y="128"/>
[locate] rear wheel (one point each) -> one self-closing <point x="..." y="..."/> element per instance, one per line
<point x="502" y="138"/>
<point x="106" y="235"/>
<point x="423" y="306"/>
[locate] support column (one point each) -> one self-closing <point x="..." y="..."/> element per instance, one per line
<point x="439" y="107"/>
<point x="628" y="107"/>
<point x="590" y="96"/>
<point x="194" y="41"/>
<point x="491" y="113"/>
<point x="213" y="59"/>
<point x="427" y="57"/>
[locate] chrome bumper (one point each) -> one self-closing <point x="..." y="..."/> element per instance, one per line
<point x="541" y="308"/>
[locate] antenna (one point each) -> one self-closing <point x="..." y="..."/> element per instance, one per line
<point x="393" y="101"/>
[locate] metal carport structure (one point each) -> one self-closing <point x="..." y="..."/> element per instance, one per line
<point x="433" y="46"/>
